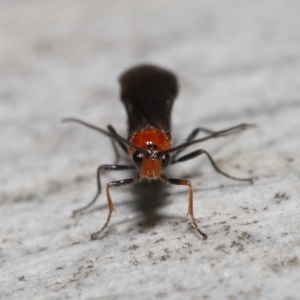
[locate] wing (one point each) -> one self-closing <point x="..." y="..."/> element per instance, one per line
<point x="148" y="93"/>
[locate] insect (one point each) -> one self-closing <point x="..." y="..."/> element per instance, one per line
<point x="148" y="93"/>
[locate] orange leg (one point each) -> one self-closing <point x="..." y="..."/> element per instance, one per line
<point x="96" y="235"/>
<point x="176" y="181"/>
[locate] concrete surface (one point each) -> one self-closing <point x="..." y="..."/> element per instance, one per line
<point x="237" y="61"/>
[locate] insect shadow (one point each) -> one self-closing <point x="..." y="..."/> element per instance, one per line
<point x="148" y="199"/>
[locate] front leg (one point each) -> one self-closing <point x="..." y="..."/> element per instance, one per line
<point x="176" y="181"/>
<point x="122" y="182"/>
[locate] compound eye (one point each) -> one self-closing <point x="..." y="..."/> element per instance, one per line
<point x="166" y="160"/>
<point x="137" y="158"/>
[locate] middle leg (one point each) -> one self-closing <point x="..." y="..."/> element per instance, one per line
<point x="214" y="165"/>
<point x="99" y="170"/>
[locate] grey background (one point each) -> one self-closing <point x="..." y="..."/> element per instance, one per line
<point x="237" y="61"/>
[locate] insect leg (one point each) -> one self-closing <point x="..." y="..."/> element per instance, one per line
<point x="102" y="168"/>
<point x="121" y="144"/>
<point x="225" y="132"/>
<point x="176" y="181"/>
<point x="201" y="151"/>
<point x="122" y="182"/>
<point x="192" y="136"/>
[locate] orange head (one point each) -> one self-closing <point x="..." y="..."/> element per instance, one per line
<point x="153" y="141"/>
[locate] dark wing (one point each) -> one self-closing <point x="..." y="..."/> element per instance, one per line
<point x="148" y="93"/>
